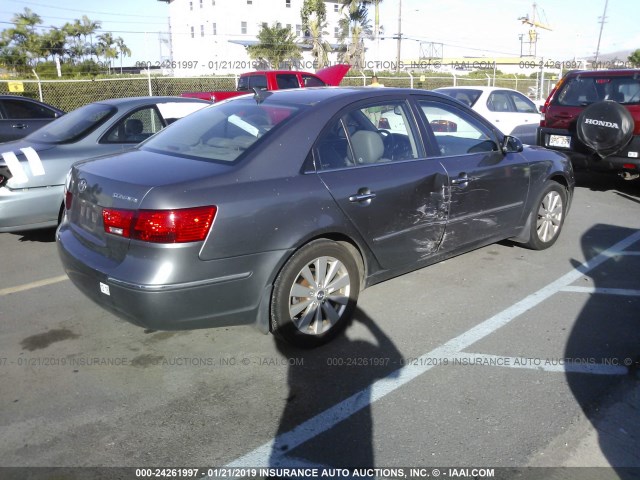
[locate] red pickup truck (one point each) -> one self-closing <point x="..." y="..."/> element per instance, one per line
<point x="277" y="80"/>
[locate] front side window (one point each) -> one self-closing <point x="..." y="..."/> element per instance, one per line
<point x="373" y="134"/>
<point x="20" y="109"/>
<point x="222" y="132"/>
<point x="455" y="132"/>
<point x="74" y="125"/>
<point x="311" y="81"/>
<point x="135" y="127"/>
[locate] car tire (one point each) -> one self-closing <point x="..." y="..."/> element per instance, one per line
<point x="605" y="127"/>
<point x="315" y="294"/>
<point x="547" y="217"/>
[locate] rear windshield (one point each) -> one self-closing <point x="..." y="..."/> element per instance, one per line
<point x="223" y="131"/>
<point x="580" y="91"/>
<point x="464" y="95"/>
<point x="74" y="125"/>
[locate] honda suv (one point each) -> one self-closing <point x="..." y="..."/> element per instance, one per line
<point x="594" y="117"/>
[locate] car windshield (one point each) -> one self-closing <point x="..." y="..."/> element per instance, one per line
<point x="467" y="96"/>
<point x="74" y="125"/>
<point x="580" y="91"/>
<point x="223" y="131"/>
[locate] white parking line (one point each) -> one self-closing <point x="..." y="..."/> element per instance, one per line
<point x="603" y="291"/>
<point x="29" y="286"/>
<point x="274" y="450"/>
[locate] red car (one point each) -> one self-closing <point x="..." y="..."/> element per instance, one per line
<point x="594" y="117"/>
<point x="277" y="80"/>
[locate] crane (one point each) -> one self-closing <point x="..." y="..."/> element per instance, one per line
<point x="533" y="22"/>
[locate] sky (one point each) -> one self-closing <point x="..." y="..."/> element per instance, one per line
<point x="465" y="27"/>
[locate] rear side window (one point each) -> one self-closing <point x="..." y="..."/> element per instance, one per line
<point x="522" y="103"/>
<point x="286" y="81"/>
<point x="366" y="135"/>
<point x="22" y="109"/>
<point x="499" y="102"/>
<point x="467" y="96"/>
<point x="311" y="81"/>
<point x="581" y="91"/>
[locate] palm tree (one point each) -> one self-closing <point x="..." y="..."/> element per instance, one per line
<point x="276" y="45"/>
<point x="354" y="26"/>
<point x="314" y="16"/>
<point x="123" y="50"/>
<point x="52" y="43"/>
<point x="23" y="37"/>
<point x="106" y="48"/>
<point x="73" y="30"/>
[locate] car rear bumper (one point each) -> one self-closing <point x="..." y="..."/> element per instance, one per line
<point x="234" y="298"/>
<point x="582" y="157"/>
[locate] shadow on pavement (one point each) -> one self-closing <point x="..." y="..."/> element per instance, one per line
<point x="342" y="370"/>
<point x="47" y="235"/>
<point x="607" y="332"/>
<point x="607" y="181"/>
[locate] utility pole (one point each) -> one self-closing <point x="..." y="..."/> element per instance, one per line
<point x="399" y="35"/>
<point x="602" y="22"/>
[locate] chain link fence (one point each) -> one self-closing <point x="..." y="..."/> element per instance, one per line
<point x="71" y="94"/>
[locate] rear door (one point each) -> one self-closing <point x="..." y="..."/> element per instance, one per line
<point x="488" y="189"/>
<point x="383" y="182"/>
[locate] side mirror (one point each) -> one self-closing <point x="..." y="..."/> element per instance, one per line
<point x="511" y="145"/>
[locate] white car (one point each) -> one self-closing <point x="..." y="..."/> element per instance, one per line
<point x="508" y="110"/>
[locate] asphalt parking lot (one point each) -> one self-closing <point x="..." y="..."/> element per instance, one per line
<point x="503" y="357"/>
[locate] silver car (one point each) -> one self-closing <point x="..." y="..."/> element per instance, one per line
<point x="33" y="169"/>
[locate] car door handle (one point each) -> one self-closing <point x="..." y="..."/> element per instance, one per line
<point x="20" y="125"/>
<point x="463" y="179"/>
<point x="362" y="197"/>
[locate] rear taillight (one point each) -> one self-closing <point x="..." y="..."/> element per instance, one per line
<point x="160" y="226"/>
<point x="118" y="222"/>
<point x="68" y="196"/>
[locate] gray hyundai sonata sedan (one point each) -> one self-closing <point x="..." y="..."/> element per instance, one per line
<point x="277" y="209"/>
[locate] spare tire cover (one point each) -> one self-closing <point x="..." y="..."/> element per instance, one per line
<point x="606" y="127"/>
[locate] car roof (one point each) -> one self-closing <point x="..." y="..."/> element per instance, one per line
<point x="29" y="99"/>
<point x="314" y="95"/>
<point x="600" y="73"/>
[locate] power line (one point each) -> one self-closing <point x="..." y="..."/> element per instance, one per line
<point x="86" y="11"/>
<point x="141" y="22"/>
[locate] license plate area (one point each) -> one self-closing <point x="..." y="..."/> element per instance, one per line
<point x="89" y="216"/>
<point x="559" y="141"/>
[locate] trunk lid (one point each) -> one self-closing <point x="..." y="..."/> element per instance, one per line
<point x="122" y="182"/>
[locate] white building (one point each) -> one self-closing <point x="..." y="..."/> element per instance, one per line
<point x="210" y="36"/>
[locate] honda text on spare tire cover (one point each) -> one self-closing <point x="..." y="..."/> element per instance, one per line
<point x="594" y="116"/>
